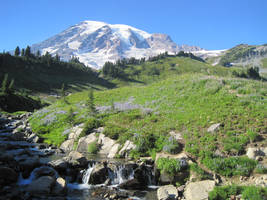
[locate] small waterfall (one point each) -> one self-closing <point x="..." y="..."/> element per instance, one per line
<point x="86" y="176"/>
<point x="85" y="179"/>
<point x="121" y="174"/>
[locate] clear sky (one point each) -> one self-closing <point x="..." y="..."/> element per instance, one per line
<point x="210" y="24"/>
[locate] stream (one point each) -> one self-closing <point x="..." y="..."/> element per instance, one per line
<point x="83" y="177"/>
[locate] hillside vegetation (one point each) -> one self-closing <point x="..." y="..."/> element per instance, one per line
<point x="177" y="94"/>
<point x="183" y="101"/>
<point x="46" y="74"/>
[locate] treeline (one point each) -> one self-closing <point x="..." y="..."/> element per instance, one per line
<point x="46" y="73"/>
<point x="116" y="70"/>
<point x="46" y="60"/>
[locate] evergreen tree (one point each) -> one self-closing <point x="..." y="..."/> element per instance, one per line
<point x="57" y="58"/>
<point x="90" y="103"/>
<point x="10" y="87"/>
<point x="17" y="51"/>
<point x="63" y="93"/>
<point x="70" y="116"/>
<point x="4" y="88"/>
<point x="28" y="51"/>
<point x="38" y="54"/>
<point x="23" y="52"/>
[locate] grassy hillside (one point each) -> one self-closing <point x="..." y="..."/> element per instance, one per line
<point x="160" y="69"/>
<point x="46" y="74"/>
<point x="186" y="97"/>
<point x="188" y="104"/>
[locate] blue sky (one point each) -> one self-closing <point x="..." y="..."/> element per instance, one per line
<point x="210" y="24"/>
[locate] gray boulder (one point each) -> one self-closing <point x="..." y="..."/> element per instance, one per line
<point x="85" y="141"/>
<point x="42" y="185"/>
<point x="261" y="181"/>
<point x="106" y="146"/>
<point x="44" y="171"/>
<point x="254" y="152"/>
<point x="100" y="174"/>
<point x="67" y="145"/>
<point x="76" y="158"/>
<point x="199" y="190"/>
<point x="127" y="147"/>
<point x="7" y="176"/>
<point x="167" y="192"/>
<point x="214" y="128"/>
<point x="75" y="132"/>
<point x="113" y="151"/>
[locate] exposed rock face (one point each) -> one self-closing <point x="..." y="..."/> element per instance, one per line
<point x="261" y="181"/>
<point x="85" y="141"/>
<point x="67" y="145"/>
<point x="100" y="174"/>
<point x="214" y="128"/>
<point x="42" y="185"/>
<point x="199" y="190"/>
<point x="105" y="144"/>
<point x="167" y="192"/>
<point x="76" y="158"/>
<point x="75" y="132"/>
<point x="127" y="147"/>
<point x="113" y="151"/>
<point x="132" y="184"/>
<point x="254" y="152"/>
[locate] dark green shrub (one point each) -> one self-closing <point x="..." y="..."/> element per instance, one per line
<point x="171" y="146"/>
<point x="113" y="131"/>
<point x="91" y="124"/>
<point x="224" y="192"/>
<point x="261" y="169"/>
<point x="252" y="135"/>
<point x="168" y="165"/>
<point x="252" y="192"/>
<point x="144" y="143"/>
<point x="70" y="116"/>
<point x="231" y="166"/>
<point x="247" y="192"/>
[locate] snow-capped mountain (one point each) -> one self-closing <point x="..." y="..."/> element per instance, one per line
<point x="94" y="43"/>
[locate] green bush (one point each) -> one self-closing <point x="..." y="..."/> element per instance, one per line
<point x="93" y="148"/>
<point x="91" y="124"/>
<point x="231" y="166"/>
<point x="113" y="131"/>
<point x="247" y="192"/>
<point x="171" y="146"/>
<point x="224" y="192"/>
<point x="252" y="135"/>
<point x="168" y="165"/>
<point x="260" y="169"/>
<point x="253" y="192"/>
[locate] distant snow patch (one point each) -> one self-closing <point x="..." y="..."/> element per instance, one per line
<point x="74" y="45"/>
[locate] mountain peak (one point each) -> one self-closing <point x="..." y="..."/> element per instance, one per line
<point x="95" y="42"/>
